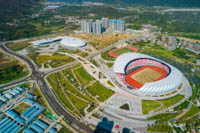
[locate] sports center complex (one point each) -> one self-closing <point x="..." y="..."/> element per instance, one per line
<point x="147" y="76"/>
<point x="65" y="42"/>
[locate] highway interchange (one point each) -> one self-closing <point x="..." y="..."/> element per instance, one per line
<point x="49" y="95"/>
<point x="39" y="77"/>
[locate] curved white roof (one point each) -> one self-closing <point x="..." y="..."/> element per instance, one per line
<point x="72" y="42"/>
<point x="166" y="85"/>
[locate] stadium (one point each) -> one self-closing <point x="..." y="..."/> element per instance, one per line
<point x="146" y="76"/>
<point x="65" y="42"/>
<point x="72" y="43"/>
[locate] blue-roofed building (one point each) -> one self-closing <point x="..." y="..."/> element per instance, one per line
<point x="9" y="96"/>
<point x="7" y="126"/>
<point x="35" y="115"/>
<point x="36" y="128"/>
<point x="16" y="91"/>
<point x="31" y="113"/>
<point x="13" y="93"/>
<point x="52" y="130"/>
<point x="27" y="111"/>
<point x="13" y="126"/>
<point x="1" y="103"/>
<point x="29" y="101"/>
<point x="11" y="114"/>
<point x="20" y="120"/>
<point x="30" y="96"/>
<point x="38" y="105"/>
<point x="3" y="120"/>
<point x="42" y="124"/>
<point x="27" y="130"/>
<point x="3" y="99"/>
<point x="5" y="123"/>
<point x="20" y="89"/>
<point x="15" y="129"/>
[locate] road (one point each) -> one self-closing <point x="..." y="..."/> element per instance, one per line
<point x="39" y="77"/>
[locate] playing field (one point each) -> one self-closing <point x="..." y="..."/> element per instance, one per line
<point x="144" y="75"/>
<point x="115" y="53"/>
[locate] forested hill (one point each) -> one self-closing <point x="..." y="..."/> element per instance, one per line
<point x="171" y="3"/>
<point x="13" y="9"/>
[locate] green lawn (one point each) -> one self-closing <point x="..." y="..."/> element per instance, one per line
<point x="163" y="127"/>
<point x="122" y="51"/>
<point x="78" y="103"/>
<point x="182" y="106"/>
<point x="80" y="100"/>
<point x="163" y="117"/>
<point x="106" y="55"/>
<point x="109" y="64"/>
<point x="149" y="105"/>
<point x="171" y="101"/>
<point x="83" y="76"/>
<point x="69" y="75"/>
<point x="100" y="91"/>
<point x="66" y="84"/>
<point x="192" y="111"/>
<point x="54" y="60"/>
<point x="61" y="95"/>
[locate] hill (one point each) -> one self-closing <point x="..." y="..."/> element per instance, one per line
<point x="14" y="9"/>
<point x="171" y="3"/>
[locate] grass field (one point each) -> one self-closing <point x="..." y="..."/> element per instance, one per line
<point x="161" y="127"/>
<point x="54" y="60"/>
<point x="122" y="51"/>
<point x="83" y="76"/>
<point x="99" y="91"/>
<point x="60" y="94"/>
<point x="109" y="64"/>
<point x="171" y="101"/>
<point x="66" y="84"/>
<point x="145" y="76"/>
<point x="106" y="56"/>
<point x="163" y="117"/>
<point x="69" y="75"/>
<point x="18" y="46"/>
<point x="192" y="111"/>
<point x="72" y="98"/>
<point x="21" y="107"/>
<point x="150" y="105"/>
<point x="182" y="106"/>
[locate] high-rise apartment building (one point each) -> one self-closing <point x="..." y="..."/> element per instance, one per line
<point x="117" y="25"/>
<point x="99" y="26"/>
<point x="105" y="22"/>
<point x="89" y="27"/>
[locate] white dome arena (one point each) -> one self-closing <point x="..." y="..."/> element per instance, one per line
<point x="72" y="43"/>
<point x="146" y="75"/>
